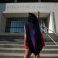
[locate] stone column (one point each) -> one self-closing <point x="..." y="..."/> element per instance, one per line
<point x="51" y="24"/>
<point x="2" y="23"/>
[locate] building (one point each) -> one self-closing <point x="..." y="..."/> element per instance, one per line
<point x="13" y="15"/>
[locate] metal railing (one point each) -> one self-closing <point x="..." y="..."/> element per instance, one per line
<point x="51" y="30"/>
<point x="50" y="36"/>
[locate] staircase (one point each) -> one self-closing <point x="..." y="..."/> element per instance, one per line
<point x="12" y="47"/>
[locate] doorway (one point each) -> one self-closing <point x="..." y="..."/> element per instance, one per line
<point x="43" y="22"/>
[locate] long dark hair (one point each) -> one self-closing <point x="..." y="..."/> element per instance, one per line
<point x="32" y="18"/>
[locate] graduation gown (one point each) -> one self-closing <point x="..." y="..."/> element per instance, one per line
<point x="36" y="43"/>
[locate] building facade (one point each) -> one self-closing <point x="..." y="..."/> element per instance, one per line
<point x="14" y="15"/>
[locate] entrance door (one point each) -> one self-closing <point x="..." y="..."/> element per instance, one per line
<point x="43" y="25"/>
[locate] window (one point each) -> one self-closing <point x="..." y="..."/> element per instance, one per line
<point x="15" y="24"/>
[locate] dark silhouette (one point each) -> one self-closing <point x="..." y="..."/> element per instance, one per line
<point x="33" y="38"/>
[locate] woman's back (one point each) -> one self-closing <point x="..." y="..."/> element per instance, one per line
<point x="33" y="35"/>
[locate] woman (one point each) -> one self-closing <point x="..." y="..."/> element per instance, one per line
<point x="33" y="39"/>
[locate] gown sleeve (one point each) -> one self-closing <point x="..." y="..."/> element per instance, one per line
<point x="42" y="39"/>
<point x="25" y="38"/>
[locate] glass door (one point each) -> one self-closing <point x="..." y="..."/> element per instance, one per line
<point x="43" y="25"/>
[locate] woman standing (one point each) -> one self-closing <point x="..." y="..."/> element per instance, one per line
<point x="33" y="38"/>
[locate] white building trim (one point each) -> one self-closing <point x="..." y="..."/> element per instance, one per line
<point x="51" y="24"/>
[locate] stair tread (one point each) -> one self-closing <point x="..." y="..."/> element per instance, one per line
<point x="24" y="48"/>
<point x="22" y="54"/>
<point x="20" y="44"/>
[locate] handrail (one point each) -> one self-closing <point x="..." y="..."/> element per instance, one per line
<point x="51" y="30"/>
<point x="51" y="37"/>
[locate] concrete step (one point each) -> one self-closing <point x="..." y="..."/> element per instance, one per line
<point x="49" y="43"/>
<point x="21" y="55"/>
<point x="20" y="39"/>
<point x="22" y="42"/>
<point x="10" y="45"/>
<point x="51" y="46"/>
<point x="46" y="46"/>
<point x="22" y="46"/>
<point x="22" y="50"/>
